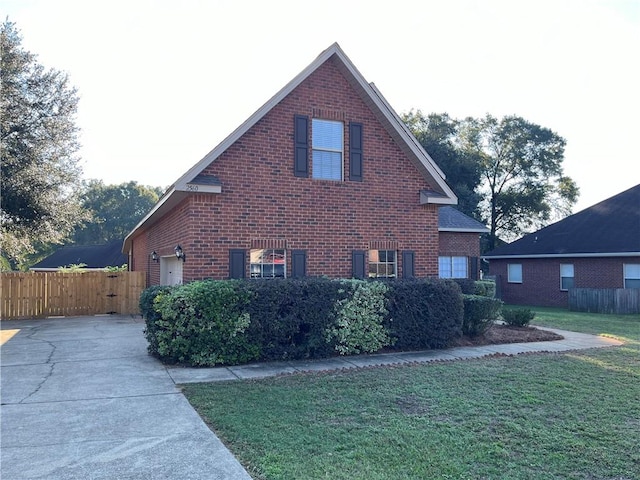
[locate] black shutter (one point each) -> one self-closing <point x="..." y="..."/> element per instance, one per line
<point x="355" y="152"/>
<point x="474" y="268"/>
<point x="357" y="262"/>
<point x="407" y="264"/>
<point x="298" y="263"/>
<point x="301" y="145"/>
<point x="237" y="259"/>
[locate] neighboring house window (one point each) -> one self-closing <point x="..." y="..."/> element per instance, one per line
<point x="453" y="267"/>
<point x="566" y="276"/>
<point x="514" y="273"/>
<point x="631" y="275"/>
<point x="327" y="147"/>
<point x="382" y="264"/>
<point x="268" y="263"/>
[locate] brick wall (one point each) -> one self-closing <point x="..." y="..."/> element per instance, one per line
<point x="261" y="198"/>
<point x="541" y="278"/>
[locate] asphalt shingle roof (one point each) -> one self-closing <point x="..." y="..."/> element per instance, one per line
<point x="94" y="256"/>
<point x="609" y="227"/>
<point x="450" y="219"/>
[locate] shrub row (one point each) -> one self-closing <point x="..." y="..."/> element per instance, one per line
<point x="216" y="322"/>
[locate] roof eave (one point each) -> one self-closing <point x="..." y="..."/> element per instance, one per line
<point x="560" y="255"/>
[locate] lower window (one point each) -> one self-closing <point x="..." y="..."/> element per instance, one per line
<point x="453" y="267"/>
<point x="566" y="276"/>
<point x="382" y="264"/>
<point x="631" y="275"/>
<point x="268" y="263"/>
<point x="514" y="273"/>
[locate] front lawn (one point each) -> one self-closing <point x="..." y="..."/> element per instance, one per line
<point x="574" y="415"/>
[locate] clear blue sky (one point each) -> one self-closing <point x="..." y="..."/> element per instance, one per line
<point x="162" y="82"/>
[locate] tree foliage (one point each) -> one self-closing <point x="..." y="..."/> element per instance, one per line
<point x="115" y="210"/>
<point x="438" y="135"/>
<point x="40" y="172"/>
<point x="523" y="185"/>
<point x="508" y="172"/>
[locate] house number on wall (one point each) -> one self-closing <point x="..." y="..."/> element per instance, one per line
<point x="192" y="188"/>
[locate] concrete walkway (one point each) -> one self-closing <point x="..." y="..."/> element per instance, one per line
<point x="82" y="399"/>
<point x="571" y="341"/>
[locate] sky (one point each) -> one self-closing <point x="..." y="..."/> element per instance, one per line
<point x="162" y="82"/>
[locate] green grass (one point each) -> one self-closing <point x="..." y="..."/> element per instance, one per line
<point x="550" y="416"/>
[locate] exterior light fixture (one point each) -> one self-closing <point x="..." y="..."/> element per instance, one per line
<point x="179" y="253"/>
<point x="154" y="256"/>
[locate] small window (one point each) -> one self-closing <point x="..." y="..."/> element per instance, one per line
<point x="514" y="273"/>
<point x="382" y="264"/>
<point x="453" y="267"/>
<point x="566" y="276"/>
<point x="327" y="146"/>
<point x="631" y="275"/>
<point x="268" y="263"/>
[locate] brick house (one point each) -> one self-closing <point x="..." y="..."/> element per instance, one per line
<point x="598" y="248"/>
<point x="458" y="244"/>
<point x="324" y="179"/>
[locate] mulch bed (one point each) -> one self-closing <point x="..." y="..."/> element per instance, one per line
<point x="505" y="334"/>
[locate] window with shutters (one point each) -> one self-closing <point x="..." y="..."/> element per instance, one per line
<point x="327" y="139"/>
<point x="566" y="276"/>
<point x="453" y="267"/>
<point x="268" y="263"/>
<point x="382" y="264"/>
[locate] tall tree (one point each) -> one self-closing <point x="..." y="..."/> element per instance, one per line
<point x="39" y="171"/>
<point x="523" y="185"/>
<point x="438" y="133"/>
<point x="115" y="210"/>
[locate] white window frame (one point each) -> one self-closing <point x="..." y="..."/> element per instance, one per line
<point x="257" y="262"/>
<point x="567" y="271"/>
<point x="630" y="271"/>
<point x="449" y="266"/>
<point x="514" y="272"/>
<point x="334" y="146"/>
<point x="380" y="268"/>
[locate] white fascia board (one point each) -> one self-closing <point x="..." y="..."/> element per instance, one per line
<point x="194" y="187"/>
<point x="464" y="230"/>
<point x="562" y="255"/>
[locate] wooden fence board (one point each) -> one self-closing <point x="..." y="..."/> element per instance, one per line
<point x="44" y="294"/>
<point x="620" y="301"/>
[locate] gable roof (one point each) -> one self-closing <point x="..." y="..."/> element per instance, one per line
<point x="451" y="219"/>
<point x="441" y="193"/>
<point x="94" y="256"/>
<point x="610" y="228"/>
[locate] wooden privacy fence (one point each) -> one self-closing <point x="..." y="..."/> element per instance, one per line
<point x="44" y="294"/>
<point x="620" y="301"/>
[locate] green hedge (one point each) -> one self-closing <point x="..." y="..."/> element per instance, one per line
<point x="479" y="314"/>
<point x="224" y="322"/>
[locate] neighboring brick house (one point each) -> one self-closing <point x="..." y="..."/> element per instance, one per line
<point x="93" y="257"/>
<point x="459" y="244"/>
<point x="598" y="247"/>
<point x="324" y="179"/>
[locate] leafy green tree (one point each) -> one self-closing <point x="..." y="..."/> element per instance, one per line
<point x="523" y="185"/>
<point x="39" y="170"/>
<point x="115" y="210"/>
<point x="438" y="135"/>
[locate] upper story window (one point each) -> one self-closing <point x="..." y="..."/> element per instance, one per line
<point x="268" y="263"/>
<point x="631" y="275"/>
<point x="514" y="273"/>
<point x="453" y="267"/>
<point x="327" y="139"/>
<point x="566" y="276"/>
<point x="382" y="264"/>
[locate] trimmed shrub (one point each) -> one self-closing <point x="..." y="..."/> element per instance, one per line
<point x="204" y="323"/>
<point x="359" y="321"/>
<point x="293" y="316"/>
<point x="518" y="317"/>
<point x="485" y="288"/>
<point x="467" y="285"/>
<point x="479" y="314"/>
<point x="423" y="313"/>
<point x="150" y="315"/>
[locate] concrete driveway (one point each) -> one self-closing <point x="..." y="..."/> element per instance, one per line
<point x="82" y="399"/>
